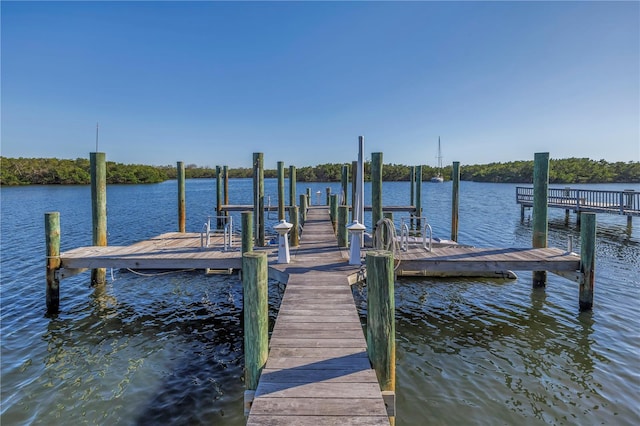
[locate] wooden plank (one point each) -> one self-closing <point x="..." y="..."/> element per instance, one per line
<point x="317" y="390"/>
<point x="357" y="342"/>
<point x="336" y="406"/>
<point x="302" y="375"/>
<point x="314" y="358"/>
<point x="280" y="420"/>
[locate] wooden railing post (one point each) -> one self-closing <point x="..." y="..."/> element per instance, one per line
<point x="419" y="198"/>
<point x="344" y="184"/>
<point x="98" y="172"/>
<point x="182" y="214"/>
<point x="587" y="260"/>
<point x="455" y="199"/>
<point x="412" y="201"/>
<point x="219" y="220"/>
<point x="258" y="197"/>
<point x="256" y="320"/>
<point x="304" y="199"/>
<point x="333" y="211"/>
<point x="52" y="239"/>
<point x="540" y="207"/>
<point x="381" y="329"/>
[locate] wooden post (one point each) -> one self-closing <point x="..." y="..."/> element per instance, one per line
<point x="419" y="197"/>
<point x="182" y="214"/>
<point x="376" y="188"/>
<point x="52" y="239"/>
<point x="98" y="172"/>
<point x="294" y="235"/>
<point x="412" y="201"/>
<point x="309" y="201"/>
<point x="292" y="185"/>
<point x="345" y="184"/>
<point x="354" y="183"/>
<point x="343" y="213"/>
<point x="280" y="190"/>
<point x="304" y="199"/>
<point x="455" y="199"/>
<point x="219" y="222"/>
<point x="587" y="260"/>
<point x="333" y="211"/>
<point x="328" y="197"/>
<point x="225" y="176"/>
<point x="540" y="207"/>
<point x="256" y="318"/>
<point x="247" y="231"/>
<point x="381" y="329"/>
<point x="258" y="197"/>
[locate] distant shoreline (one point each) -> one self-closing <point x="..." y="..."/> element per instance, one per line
<point x="53" y="171"/>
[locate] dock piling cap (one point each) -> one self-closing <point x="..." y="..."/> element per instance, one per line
<point x="356" y="227"/>
<point x="283" y="227"/>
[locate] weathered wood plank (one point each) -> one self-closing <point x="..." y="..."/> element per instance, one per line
<point x="317" y="390"/>
<point x="275" y="420"/>
<point x="318" y="406"/>
<point x="302" y="375"/>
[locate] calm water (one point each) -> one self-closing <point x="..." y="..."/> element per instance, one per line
<point x="167" y="349"/>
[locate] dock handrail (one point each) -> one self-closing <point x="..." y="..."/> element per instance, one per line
<point x="625" y="202"/>
<point x="404" y="233"/>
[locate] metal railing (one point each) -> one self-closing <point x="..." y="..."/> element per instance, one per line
<point x="226" y="231"/>
<point x="626" y="202"/>
<point x="405" y="233"/>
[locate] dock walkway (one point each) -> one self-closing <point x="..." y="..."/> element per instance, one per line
<point x="318" y="371"/>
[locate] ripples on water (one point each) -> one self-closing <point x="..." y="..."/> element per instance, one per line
<point x="168" y="349"/>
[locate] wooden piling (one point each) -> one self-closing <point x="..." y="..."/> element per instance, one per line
<point x="280" y="168"/>
<point x="376" y="188"/>
<point x="344" y="184"/>
<point x="333" y="211"/>
<point x="256" y="318"/>
<point x="294" y="234"/>
<point x="182" y="214"/>
<point x="52" y="240"/>
<point x="412" y="180"/>
<point x="328" y="196"/>
<point x="292" y="185"/>
<point x="258" y="197"/>
<point x="455" y="199"/>
<point x="354" y="184"/>
<point x="247" y="231"/>
<point x="225" y="177"/>
<point x="98" y="172"/>
<point x="343" y="214"/>
<point x="540" y="207"/>
<point x="419" y="197"/>
<point x="219" y="220"/>
<point x="587" y="260"/>
<point x="309" y="200"/>
<point x="304" y="199"/>
<point x="381" y="329"/>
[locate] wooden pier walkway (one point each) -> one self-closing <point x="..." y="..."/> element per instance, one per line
<point x="318" y="371"/>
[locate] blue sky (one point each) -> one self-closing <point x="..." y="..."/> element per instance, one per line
<point x="210" y="83"/>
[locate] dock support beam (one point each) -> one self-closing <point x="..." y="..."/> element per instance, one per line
<point x="52" y="238"/>
<point x="587" y="260"/>
<point x="376" y="188"/>
<point x="98" y="171"/>
<point x="540" y="207"/>
<point x="292" y="185"/>
<point x="256" y="320"/>
<point x="247" y="231"/>
<point x="258" y="197"/>
<point x="280" y="190"/>
<point x="418" y="197"/>
<point x="182" y="215"/>
<point x="343" y="214"/>
<point x="455" y="200"/>
<point x="381" y="329"/>
<point x="295" y="229"/>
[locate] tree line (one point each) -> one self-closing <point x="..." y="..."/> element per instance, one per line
<point x="48" y="171"/>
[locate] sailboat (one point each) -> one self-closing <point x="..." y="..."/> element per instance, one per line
<point x="438" y="178"/>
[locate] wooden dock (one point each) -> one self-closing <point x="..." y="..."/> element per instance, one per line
<point x="318" y="371"/>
